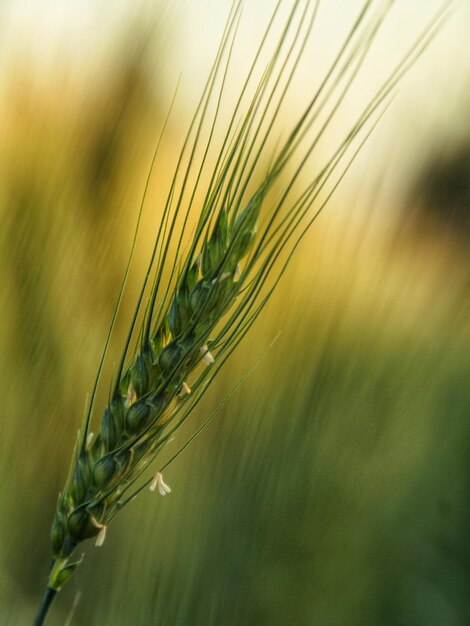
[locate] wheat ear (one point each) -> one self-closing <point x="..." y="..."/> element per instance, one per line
<point x="219" y="277"/>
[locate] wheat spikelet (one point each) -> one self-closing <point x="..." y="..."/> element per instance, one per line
<point x="219" y="280"/>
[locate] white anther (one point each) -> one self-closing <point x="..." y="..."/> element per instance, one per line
<point x="221" y="278"/>
<point x="101" y="536"/>
<point x="130" y="397"/>
<point x="157" y="481"/>
<point x="206" y="355"/>
<point x="238" y="270"/>
<point x="186" y="389"/>
<point x="89" y="439"/>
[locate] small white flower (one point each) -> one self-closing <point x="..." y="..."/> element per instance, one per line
<point x="157" y="481"/>
<point x="101" y="536"/>
<point x="186" y="389"/>
<point x="206" y="355"/>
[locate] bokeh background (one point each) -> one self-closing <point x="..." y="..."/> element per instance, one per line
<point x="333" y="488"/>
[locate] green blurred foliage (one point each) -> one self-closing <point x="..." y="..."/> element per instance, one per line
<point x="330" y="490"/>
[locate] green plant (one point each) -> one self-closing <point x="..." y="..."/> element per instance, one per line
<point x="207" y="283"/>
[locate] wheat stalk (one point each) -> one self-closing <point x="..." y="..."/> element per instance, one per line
<point x="204" y="289"/>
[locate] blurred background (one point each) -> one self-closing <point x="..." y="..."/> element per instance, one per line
<point x="333" y="488"/>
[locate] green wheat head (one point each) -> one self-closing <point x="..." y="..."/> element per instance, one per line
<point x="215" y="264"/>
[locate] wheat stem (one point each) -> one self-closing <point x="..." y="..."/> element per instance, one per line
<point x="46" y="603"/>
